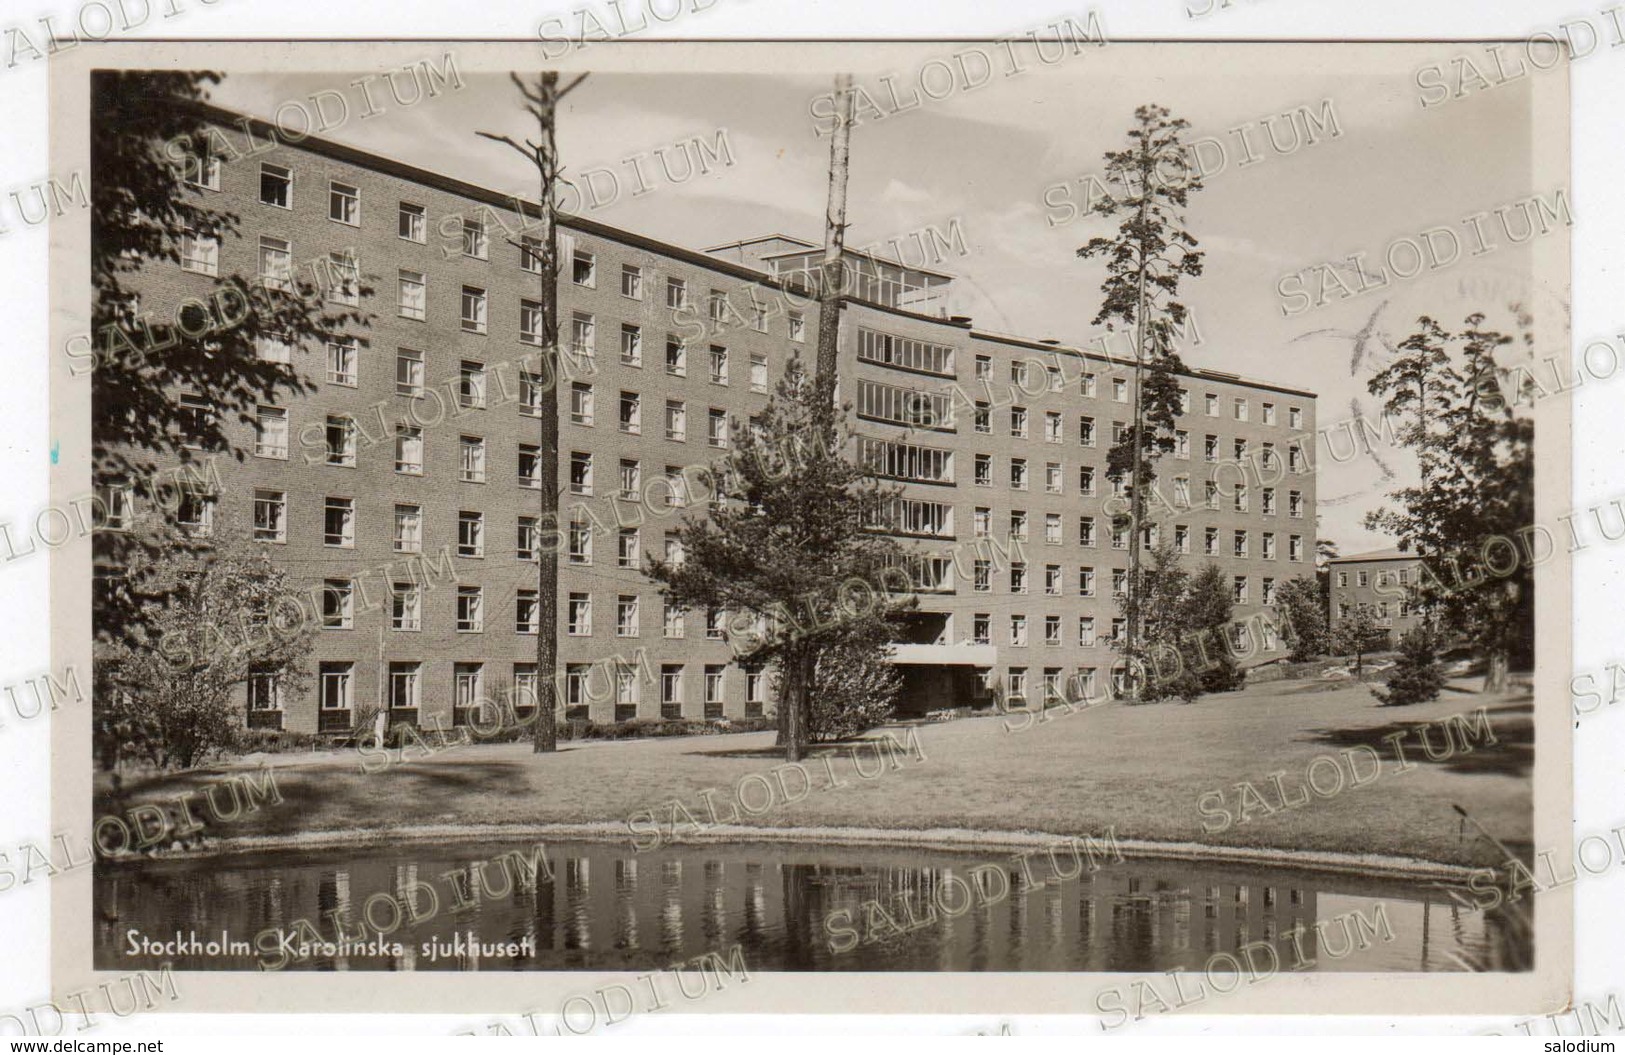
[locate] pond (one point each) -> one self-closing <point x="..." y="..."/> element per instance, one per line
<point x="789" y="907"/>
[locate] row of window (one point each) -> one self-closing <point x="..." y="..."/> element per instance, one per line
<point x="982" y="580"/>
<point x="1022" y="370"/>
<point x="336" y="687"/>
<point x="1082" y="683"/>
<point x="982" y="624"/>
<point x="1363" y="577"/>
<point x="1401" y="608"/>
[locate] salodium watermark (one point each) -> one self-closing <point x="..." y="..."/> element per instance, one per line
<point x="757" y="794"/>
<point x="49" y="694"/>
<point x="142" y="989"/>
<point x="1327" y="776"/>
<point x="1225" y="972"/>
<point x="951" y="897"/>
<point x="614" y="1003"/>
<point x="146" y="826"/>
<point x="1590" y="1020"/>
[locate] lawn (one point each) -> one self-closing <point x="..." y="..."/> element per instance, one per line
<point x="1166" y="772"/>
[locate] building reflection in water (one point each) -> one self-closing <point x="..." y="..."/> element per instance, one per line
<point x="606" y="907"/>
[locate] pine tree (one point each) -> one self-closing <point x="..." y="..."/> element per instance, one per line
<point x="1303" y="611"/>
<point x="1145" y="261"/>
<point x="791" y="541"/>
<point x="1416" y="677"/>
<point x="1476" y="460"/>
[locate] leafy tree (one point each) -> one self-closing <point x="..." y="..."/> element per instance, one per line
<point x="789" y="539"/>
<point x="854" y="688"/>
<point x="208" y="616"/>
<point x="144" y="126"/>
<point x="1416" y="677"/>
<point x="1209" y="608"/>
<point x="1303" y="610"/>
<point x="1145" y="261"/>
<point x="1353" y="634"/>
<point x="1475" y="458"/>
<point x="1163" y="591"/>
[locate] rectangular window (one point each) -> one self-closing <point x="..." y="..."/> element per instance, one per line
<point x="676" y="420"/>
<point x="343" y="362"/>
<point x="343" y="203"/>
<point x="1086" y="432"/>
<point x="408" y="529"/>
<point x="276" y="263"/>
<point x="579" y="542"/>
<point x="1241" y="409"/>
<point x="526" y="611"/>
<point x="1269" y="413"/>
<point x="405" y="606"/>
<point x="470" y="533"/>
<point x="1016" y="696"/>
<point x="270" y="516"/>
<point x="888" y="349"/>
<point x="264" y="692"/>
<point x="408" y="372"/>
<point x="676" y="293"/>
<point x="758" y="372"/>
<point x="1086" y="531"/>
<point x="470" y="609"/>
<point x="1086" y="385"/>
<point x="1086" y="582"/>
<point x="1018" y="577"/>
<point x="1052" y="529"/>
<point x="1052" y="580"/>
<point x="531" y="322"/>
<point x="476" y="243"/>
<point x="798" y="326"/>
<point x="628" y="548"/>
<point x="339" y="523"/>
<point x="583" y="334"/>
<point x="410" y="222"/>
<point x="579" y="615"/>
<point x="1052" y="632"/>
<point x="1018" y="473"/>
<point x="201" y="171"/>
<point x="671" y="619"/>
<point x="526" y="539"/>
<point x="335" y="685"/>
<point x="1018" y="631"/>
<point x="631" y="345"/>
<point x="983" y="470"/>
<point x="1119" y="390"/>
<point x="403" y="686"/>
<point x="409" y="449"/>
<point x="903" y="406"/>
<point x="466" y="680"/>
<point x="581" y="409"/>
<point x="1086" y="631"/>
<point x="1210" y="404"/>
<point x="413" y="299"/>
<point x="1018" y="422"/>
<point x="1294" y="417"/>
<point x="1239" y="544"/>
<point x="200" y="253"/>
<point x="473" y="310"/>
<point x="719" y="365"/>
<point x="982" y="577"/>
<point x="338" y="604"/>
<point x="276" y="185"/>
<point x="1238" y="590"/>
<point x="271" y="348"/>
<point x="343" y="278"/>
<point x="671" y="690"/>
<point x="983" y="418"/>
<point x="580" y="473"/>
<point x="584" y="269"/>
<point x="982" y="628"/>
<point x="341" y="440"/>
<point x="1294" y="504"/>
<point x="1052" y="477"/>
<point x="906" y="461"/>
<point x="632" y="281"/>
<point x="676" y="357"/>
<point x="271" y="432"/>
<point x="530" y="465"/>
<point x="1268" y="545"/>
<point x="1052" y="427"/>
<point x="626" y="615"/>
<point x="471" y="467"/>
<point x="716" y="428"/>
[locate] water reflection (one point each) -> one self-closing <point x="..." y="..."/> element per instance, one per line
<point x="598" y="906"/>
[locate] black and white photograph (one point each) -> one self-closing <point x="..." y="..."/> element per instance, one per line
<point x="567" y="532"/>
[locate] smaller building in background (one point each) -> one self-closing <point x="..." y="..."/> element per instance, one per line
<point x="1382" y="579"/>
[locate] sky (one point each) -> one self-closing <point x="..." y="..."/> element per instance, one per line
<point x="986" y="157"/>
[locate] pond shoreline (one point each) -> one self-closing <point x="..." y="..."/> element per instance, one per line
<point x="1379" y="866"/>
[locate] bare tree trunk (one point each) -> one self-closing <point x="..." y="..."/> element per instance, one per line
<point x="832" y="273"/>
<point x="541" y="100"/>
<point x="1495" y="672"/>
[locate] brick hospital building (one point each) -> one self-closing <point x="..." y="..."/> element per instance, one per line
<point x="403" y="492"/>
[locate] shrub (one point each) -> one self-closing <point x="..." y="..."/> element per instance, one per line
<point x="1416" y="677"/>
<point x="853" y="690"/>
<point x="272" y="741"/>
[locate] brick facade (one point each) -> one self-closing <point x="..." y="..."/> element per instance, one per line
<point x="645" y="651"/>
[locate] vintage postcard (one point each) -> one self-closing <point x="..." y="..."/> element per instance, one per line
<point x="564" y="530"/>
